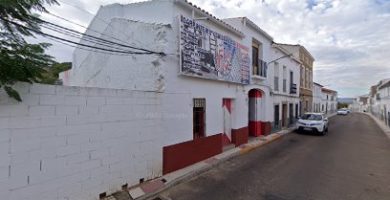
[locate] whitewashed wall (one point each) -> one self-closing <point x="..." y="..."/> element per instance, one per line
<point x="265" y="85"/>
<point x="75" y="143"/>
<point x="317" y="98"/>
<point x="279" y="97"/>
<point x="159" y="32"/>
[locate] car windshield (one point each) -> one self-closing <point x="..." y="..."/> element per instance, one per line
<point x="311" y="117"/>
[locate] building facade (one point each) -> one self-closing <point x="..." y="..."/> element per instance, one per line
<point x="213" y="79"/>
<point x="378" y="102"/>
<point x="260" y="112"/>
<point x="361" y="104"/>
<point x="286" y="81"/>
<point x="329" y="101"/>
<point x="216" y="82"/>
<point x="306" y="75"/>
<point x="317" y="97"/>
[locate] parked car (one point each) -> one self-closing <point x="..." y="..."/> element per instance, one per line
<point x="342" y="112"/>
<point x="314" y="122"/>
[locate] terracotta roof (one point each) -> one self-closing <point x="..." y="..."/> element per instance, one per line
<point x="384" y="84"/>
<point x="226" y="25"/>
<point x="318" y="84"/>
<point x="254" y="25"/>
<point x="286" y="52"/>
<point x="301" y="46"/>
<point x="221" y="22"/>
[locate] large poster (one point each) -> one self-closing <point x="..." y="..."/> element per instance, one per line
<point x="208" y="54"/>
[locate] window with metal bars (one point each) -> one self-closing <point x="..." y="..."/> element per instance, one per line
<point x="199" y="117"/>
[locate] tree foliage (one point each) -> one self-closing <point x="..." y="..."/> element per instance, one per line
<point x="19" y="60"/>
<point x="52" y="74"/>
<point x="342" y="105"/>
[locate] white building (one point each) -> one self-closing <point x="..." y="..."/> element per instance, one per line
<point x="317" y="97"/>
<point x="261" y="77"/>
<point x="361" y="103"/>
<point x="379" y="100"/>
<point x="216" y="91"/>
<point x="286" y="82"/>
<point x="329" y="101"/>
<point x="384" y="98"/>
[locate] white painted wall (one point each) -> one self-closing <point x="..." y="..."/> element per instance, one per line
<point x="317" y="98"/>
<point x="264" y="84"/>
<point x="160" y="32"/>
<point x="74" y="143"/>
<point x="382" y="105"/>
<point x="327" y="100"/>
<point x="279" y="96"/>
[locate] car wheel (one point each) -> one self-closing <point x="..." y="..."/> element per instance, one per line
<point x="323" y="131"/>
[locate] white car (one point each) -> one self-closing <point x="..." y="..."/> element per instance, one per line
<point x="315" y="122"/>
<point x="342" y="112"/>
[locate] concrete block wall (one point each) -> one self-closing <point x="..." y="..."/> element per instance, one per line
<point x="75" y="143"/>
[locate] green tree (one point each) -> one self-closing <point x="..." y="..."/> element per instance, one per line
<point x="342" y="105"/>
<point x="19" y="60"/>
<point x="52" y="74"/>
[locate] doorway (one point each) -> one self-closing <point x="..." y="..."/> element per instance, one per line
<point x="290" y="114"/>
<point x="276" y="117"/>
<point x="254" y="123"/>
<point x="199" y="118"/>
<point x="284" y="115"/>
<point x="227" y="118"/>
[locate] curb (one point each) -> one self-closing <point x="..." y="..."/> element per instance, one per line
<point x="169" y="180"/>
<point x="380" y="123"/>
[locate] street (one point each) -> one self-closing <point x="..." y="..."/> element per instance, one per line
<point x="351" y="162"/>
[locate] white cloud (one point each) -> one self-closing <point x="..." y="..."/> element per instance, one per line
<point x="349" y="39"/>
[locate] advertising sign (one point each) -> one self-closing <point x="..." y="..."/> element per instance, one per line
<point x="208" y="54"/>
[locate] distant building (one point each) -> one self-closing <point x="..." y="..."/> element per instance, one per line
<point x="379" y="100"/>
<point x="317" y="97"/>
<point x="329" y="101"/>
<point x="361" y="103"/>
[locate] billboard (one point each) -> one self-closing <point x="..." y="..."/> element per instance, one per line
<point x="208" y="54"/>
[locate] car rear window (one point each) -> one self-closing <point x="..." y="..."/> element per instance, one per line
<point x="311" y="117"/>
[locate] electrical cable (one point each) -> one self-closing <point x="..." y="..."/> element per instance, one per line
<point x="87" y="28"/>
<point x="72" y="42"/>
<point x="100" y="39"/>
<point x="83" y="39"/>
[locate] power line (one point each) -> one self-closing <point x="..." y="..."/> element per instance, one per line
<point x="85" y="49"/>
<point x="72" y="42"/>
<point x="85" y="39"/>
<point x="87" y="28"/>
<point x="95" y="17"/>
<point x="100" y="39"/>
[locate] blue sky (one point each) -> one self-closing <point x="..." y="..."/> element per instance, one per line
<point x="350" y="39"/>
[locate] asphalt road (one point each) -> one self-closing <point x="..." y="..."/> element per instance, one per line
<point x="351" y="162"/>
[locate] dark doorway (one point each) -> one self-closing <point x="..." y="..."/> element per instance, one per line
<point x="276" y="117"/>
<point x="290" y="114"/>
<point x="254" y="123"/>
<point x="284" y="115"/>
<point x="199" y="116"/>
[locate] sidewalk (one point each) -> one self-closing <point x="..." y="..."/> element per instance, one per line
<point x="380" y="123"/>
<point x="151" y="189"/>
